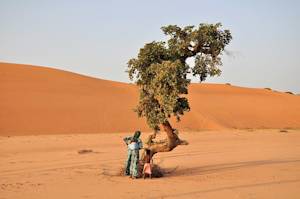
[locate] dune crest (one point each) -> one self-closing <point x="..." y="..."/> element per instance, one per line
<point x="41" y="100"/>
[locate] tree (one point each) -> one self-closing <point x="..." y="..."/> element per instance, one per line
<point x="160" y="71"/>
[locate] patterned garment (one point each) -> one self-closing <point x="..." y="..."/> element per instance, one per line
<point x="132" y="161"/>
<point x="134" y="164"/>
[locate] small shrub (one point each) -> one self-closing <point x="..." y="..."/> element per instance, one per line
<point x="268" y="89"/>
<point x="228" y="84"/>
<point x="283" y="131"/>
<point x="289" y="92"/>
<point x="84" y="151"/>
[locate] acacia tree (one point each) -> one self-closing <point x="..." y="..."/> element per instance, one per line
<point x="160" y="71"/>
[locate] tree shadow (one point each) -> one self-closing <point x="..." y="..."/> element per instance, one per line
<point x="224" y="167"/>
<point x="230" y="188"/>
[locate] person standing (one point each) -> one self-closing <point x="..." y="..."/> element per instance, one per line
<point x="134" y="144"/>
<point x="147" y="164"/>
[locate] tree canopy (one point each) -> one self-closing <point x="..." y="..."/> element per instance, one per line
<point x="160" y="69"/>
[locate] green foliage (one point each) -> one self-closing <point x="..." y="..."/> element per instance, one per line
<point x="160" y="70"/>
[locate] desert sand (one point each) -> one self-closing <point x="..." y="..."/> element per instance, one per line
<point x="241" y="164"/>
<point x="243" y="142"/>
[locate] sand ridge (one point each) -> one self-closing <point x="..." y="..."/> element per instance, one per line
<point x="40" y="100"/>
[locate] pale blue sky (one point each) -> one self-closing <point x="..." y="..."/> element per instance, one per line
<point x="97" y="38"/>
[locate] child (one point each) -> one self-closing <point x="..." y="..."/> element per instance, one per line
<point x="147" y="165"/>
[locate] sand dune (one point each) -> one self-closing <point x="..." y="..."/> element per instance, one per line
<point x="40" y="100"/>
<point x="226" y="162"/>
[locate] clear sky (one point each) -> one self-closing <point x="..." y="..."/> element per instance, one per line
<point x="97" y="38"/>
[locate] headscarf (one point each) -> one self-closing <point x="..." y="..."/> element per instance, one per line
<point x="136" y="136"/>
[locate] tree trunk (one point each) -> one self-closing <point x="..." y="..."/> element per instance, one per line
<point x="167" y="145"/>
<point x="173" y="139"/>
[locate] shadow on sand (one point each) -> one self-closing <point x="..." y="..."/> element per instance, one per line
<point x="224" y="167"/>
<point x="229" y="188"/>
